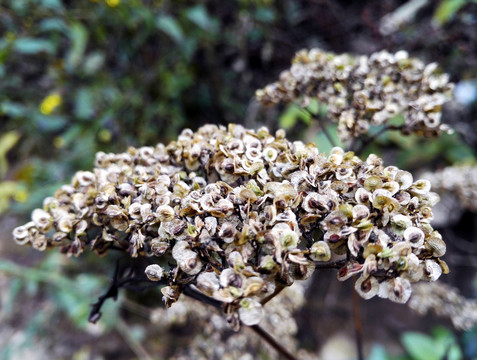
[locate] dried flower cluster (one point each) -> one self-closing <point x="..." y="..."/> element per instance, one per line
<point x="461" y="181"/>
<point x="445" y="301"/>
<point x="240" y="214"/>
<point x="215" y="340"/>
<point x="362" y="91"/>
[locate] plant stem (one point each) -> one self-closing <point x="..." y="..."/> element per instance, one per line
<point x="365" y="142"/>
<point x="357" y="326"/>
<point x="322" y="126"/>
<point x="331" y="265"/>
<point x="272" y="342"/>
<point x="257" y="329"/>
<point x="277" y="291"/>
<point x="134" y="345"/>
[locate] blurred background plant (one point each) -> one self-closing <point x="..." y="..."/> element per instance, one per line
<point x="77" y="77"/>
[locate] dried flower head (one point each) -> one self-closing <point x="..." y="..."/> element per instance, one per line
<point x="445" y="301"/>
<point x="460" y="181"/>
<point x="364" y="91"/>
<point x="237" y="228"/>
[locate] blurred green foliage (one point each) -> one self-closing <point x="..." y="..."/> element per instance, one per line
<point x="441" y="345"/>
<point x="79" y="77"/>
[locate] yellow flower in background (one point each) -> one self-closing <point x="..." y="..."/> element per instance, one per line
<point x="113" y="3"/>
<point x="50" y="103"/>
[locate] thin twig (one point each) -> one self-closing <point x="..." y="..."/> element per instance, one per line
<point x="272" y="342"/>
<point x="330" y="265"/>
<point x="261" y="332"/>
<point x="277" y="291"/>
<point x="365" y="142"/>
<point x="357" y="326"/>
<point x="318" y="118"/>
<point x="134" y="345"/>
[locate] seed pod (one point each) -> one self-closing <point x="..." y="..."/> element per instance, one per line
<point x="436" y="245"/>
<point x="42" y="219"/>
<point x="414" y="236"/>
<point x="367" y="287"/>
<point x="399" y="290"/>
<point x="320" y="251"/>
<point x="154" y="272"/>
<point x="208" y="283"/>
<point x="250" y="312"/>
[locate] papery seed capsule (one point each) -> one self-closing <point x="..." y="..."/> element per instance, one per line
<point x="250" y="312"/>
<point x="289" y="239"/>
<point x="436" y="245"/>
<point x="360" y="212"/>
<point x="165" y="213"/>
<point x="158" y="247"/>
<point x="42" y="219"/>
<point x="228" y="277"/>
<point x="399" y="223"/>
<point x="399" y="290"/>
<point x="208" y="283"/>
<point x="404" y="179"/>
<point x="432" y="270"/>
<point x="154" y="272"/>
<point x="372" y="183"/>
<point x="367" y="287"/>
<point x="190" y="263"/>
<point x="21" y="235"/>
<point x="267" y="263"/>
<point x="415" y="236"/>
<point x="320" y="251"/>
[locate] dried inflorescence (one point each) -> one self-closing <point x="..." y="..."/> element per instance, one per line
<point x="214" y="338"/>
<point x="360" y="91"/>
<point x="240" y="214"/>
<point x="444" y="300"/>
<point x="461" y="181"/>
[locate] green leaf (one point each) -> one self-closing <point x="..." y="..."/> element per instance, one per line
<point x="31" y="46"/>
<point x="378" y="352"/>
<point x="171" y="27"/>
<point x="93" y="62"/>
<point x="7" y="141"/>
<point x="84" y="104"/>
<point x="79" y="39"/>
<point x="291" y="115"/>
<point x="52" y="4"/>
<point x="198" y="15"/>
<point x="266" y="15"/>
<point x="446" y="10"/>
<point x="49" y="123"/>
<point x="53" y="24"/>
<point x="421" y="346"/>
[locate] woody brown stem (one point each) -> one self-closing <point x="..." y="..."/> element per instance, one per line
<point x="272" y="342"/>
<point x="277" y="291"/>
<point x="357" y="326"/>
